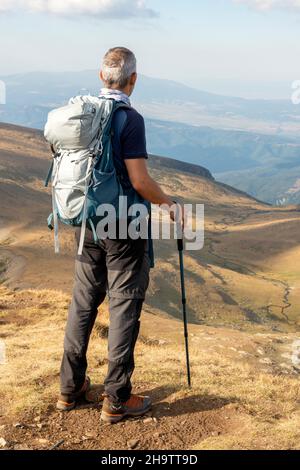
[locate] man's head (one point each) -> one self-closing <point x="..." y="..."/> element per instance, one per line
<point x="119" y="70"/>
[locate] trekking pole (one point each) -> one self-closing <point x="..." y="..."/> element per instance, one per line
<point x="183" y="299"/>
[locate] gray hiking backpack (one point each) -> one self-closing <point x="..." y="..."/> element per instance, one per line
<point x="82" y="172"/>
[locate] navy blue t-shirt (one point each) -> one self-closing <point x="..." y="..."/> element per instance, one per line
<point x="131" y="143"/>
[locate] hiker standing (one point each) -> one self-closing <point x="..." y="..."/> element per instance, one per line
<point x="117" y="267"/>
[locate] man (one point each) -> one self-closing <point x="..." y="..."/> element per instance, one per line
<point x="118" y="267"/>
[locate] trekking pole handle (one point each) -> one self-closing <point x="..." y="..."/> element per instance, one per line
<point x="180" y="244"/>
<point x="179" y="231"/>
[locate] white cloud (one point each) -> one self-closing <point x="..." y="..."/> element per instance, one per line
<point x="104" y="8"/>
<point x="267" y="5"/>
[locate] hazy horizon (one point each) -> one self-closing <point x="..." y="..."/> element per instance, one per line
<point x="258" y="90"/>
<point x="244" y="48"/>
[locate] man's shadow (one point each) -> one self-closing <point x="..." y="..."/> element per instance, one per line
<point x="162" y="407"/>
<point x="189" y="404"/>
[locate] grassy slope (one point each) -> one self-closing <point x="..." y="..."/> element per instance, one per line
<point x="221" y="278"/>
<point x="234" y="403"/>
<point x="242" y="289"/>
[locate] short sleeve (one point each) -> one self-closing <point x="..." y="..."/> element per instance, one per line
<point x="133" y="137"/>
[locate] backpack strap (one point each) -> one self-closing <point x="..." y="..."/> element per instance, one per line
<point x="49" y="175"/>
<point x="91" y="223"/>
<point x="50" y="221"/>
<point x="120" y="121"/>
<point x="55" y="222"/>
<point x="85" y="205"/>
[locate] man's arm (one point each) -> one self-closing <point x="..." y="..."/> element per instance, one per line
<point x="144" y="184"/>
<point x="147" y="187"/>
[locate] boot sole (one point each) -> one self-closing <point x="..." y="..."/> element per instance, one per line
<point x="113" y="419"/>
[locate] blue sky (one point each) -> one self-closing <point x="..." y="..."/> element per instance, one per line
<point x="194" y="41"/>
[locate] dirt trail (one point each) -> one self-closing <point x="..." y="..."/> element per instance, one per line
<point x="173" y="424"/>
<point x="4" y="231"/>
<point x="225" y="261"/>
<point x="14" y="264"/>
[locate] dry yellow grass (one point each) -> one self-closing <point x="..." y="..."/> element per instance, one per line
<point x="266" y="404"/>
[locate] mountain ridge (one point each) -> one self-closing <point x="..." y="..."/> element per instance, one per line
<point x="204" y="108"/>
<point x="155" y="161"/>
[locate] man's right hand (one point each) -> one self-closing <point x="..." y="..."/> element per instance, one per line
<point x="177" y="215"/>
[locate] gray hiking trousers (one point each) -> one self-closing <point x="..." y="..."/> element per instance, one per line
<point x="119" y="268"/>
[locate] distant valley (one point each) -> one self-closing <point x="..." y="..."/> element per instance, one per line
<point x="253" y="145"/>
<point x="265" y="166"/>
<point x="30" y="95"/>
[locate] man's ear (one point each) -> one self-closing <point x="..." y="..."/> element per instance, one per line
<point x="133" y="79"/>
<point x="101" y="76"/>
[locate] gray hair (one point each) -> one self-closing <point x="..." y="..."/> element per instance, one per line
<point x="118" y="65"/>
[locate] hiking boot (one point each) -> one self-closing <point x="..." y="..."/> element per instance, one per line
<point x="68" y="402"/>
<point x="136" y="405"/>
